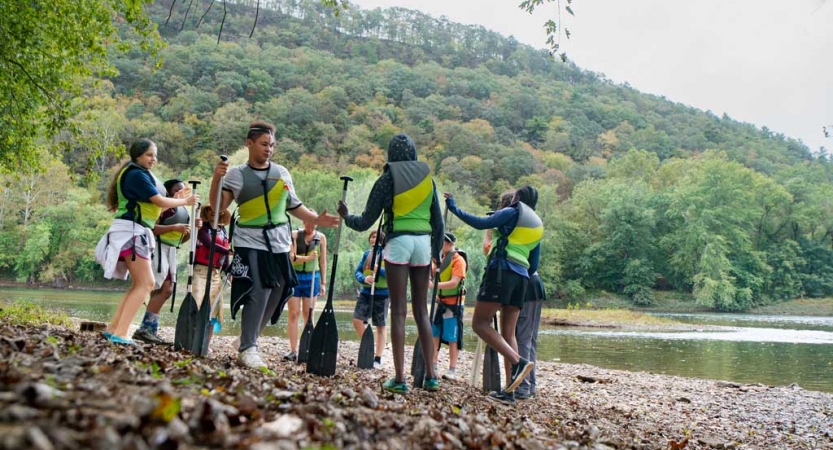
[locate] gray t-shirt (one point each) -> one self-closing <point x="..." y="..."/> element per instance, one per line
<point x="281" y="237"/>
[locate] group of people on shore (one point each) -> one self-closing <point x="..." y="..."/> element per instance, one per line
<point x="270" y="265"/>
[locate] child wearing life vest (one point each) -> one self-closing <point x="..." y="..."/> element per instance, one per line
<point x="137" y="198"/>
<point x="172" y="230"/>
<point x="517" y="232"/>
<point x="447" y="326"/>
<point x="308" y="253"/>
<point x="407" y="196"/>
<point x="218" y="268"/>
<point x="372" y="278"/>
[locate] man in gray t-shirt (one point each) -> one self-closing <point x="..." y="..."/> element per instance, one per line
<point x="260" y="277"/>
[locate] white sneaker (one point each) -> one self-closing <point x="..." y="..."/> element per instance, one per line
<point x="251" y="358"/>
<point x="450" y="375"/>
<point x="377" y="365"/>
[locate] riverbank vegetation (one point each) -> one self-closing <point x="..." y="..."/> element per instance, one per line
<point x="639" y="195"/>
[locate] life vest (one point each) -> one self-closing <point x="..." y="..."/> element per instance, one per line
<point x="174" y="238"/>
<point x="201" y="253"/>
<point x="262" y="203"/>
<point x="446" y="275"/>
<point x="524" y="237"/>
<point x="144" y="212"/>
<point x="413" y="192"/>
<point x="301" y="240"/>
<point x="381" y="282"/>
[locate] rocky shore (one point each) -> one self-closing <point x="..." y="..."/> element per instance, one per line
<point x="61" y="388"/>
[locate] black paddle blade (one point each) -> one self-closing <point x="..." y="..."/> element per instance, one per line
<point x="323" y="345"/>
<point x="201" y="324"/>
<point x="418" y="366"/>
<point x="306" y="335"/>
<point x="367" y="349"/>
<point x="491" y="371"/>
<point x="184" y="330"/>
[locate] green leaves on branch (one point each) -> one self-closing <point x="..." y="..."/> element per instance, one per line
<point x="48" y="49"/>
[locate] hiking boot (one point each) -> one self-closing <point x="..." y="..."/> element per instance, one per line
<point x="502" y="397"/>
<point x="115" y="339"/>
<point x="251" y="358"/>
<point x="523" y="395"/>
<point x="291" y="356"/>
<point x="431" y="385"/>
<point x="149" y="337"/>
<point x="395" y="387"/>
<point x="519" y="372"/>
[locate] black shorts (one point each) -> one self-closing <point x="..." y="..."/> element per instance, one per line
<point x="511" y="289"/>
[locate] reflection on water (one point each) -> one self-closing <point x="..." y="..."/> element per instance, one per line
<point x="775" y="350"/>
<point x="749" y="320"/>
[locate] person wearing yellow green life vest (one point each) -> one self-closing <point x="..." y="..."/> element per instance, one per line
<point x="516" y="232"/>
<point x="448" y="319"/>
<point x="377" y="287"/>
<point x="137" y="198"/>
<point x="172" y="229"/>
<point x="308" y="252"/>
<point x="262" y="274"/>
<point x="413" y="226"/>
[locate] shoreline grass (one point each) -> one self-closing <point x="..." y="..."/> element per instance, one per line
<point x="27" y="313"/>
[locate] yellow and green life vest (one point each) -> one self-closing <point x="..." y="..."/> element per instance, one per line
<point x="524" y="237"/>
<point x="413" y="192"/>
<point x="446" y="275"/>
<point x="301" y="240"/>
<point x="144" y="212"/>
<point x="174" y="238"/>
<point x="262" y="203"/>
<point x="381" y="281"/>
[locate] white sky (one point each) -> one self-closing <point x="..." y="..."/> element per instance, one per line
<point x="766" y="62"/>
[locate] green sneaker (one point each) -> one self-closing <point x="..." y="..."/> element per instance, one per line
<point x="431" y="384"/>
<point x="395" y="387"/>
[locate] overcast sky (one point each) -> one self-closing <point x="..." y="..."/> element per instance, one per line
<point x="766" y="62"/>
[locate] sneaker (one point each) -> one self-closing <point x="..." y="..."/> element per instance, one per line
<point x="523" y="395"/>
<point x="115" y="339"/>
<point x="149" y="337"/>
<point x="106" y="334"/>
<point x="251" y="358"/>
<point x="291" y="356"/>
<point x="431" y="385"/>
<point x="502" y="397"/>
<point x="450" y="375"/>
<point x="519" y="372"/>
<point x="395" y="387"/>
<point x="377" y="365"/>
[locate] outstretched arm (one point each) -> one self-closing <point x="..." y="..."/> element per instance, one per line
<point x="499" y="218"/>
<point x="381" y="197"/>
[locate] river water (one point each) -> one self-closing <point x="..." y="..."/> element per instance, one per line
<point x="773" y="350"/>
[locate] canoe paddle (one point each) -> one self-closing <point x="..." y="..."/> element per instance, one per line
<point x="306" y="334"/>
<point x="323" y="347"/>
<point x="185" y="319"/>
<point x="367" y="347"/>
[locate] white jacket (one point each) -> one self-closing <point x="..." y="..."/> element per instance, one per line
<point x="108" y="248"/>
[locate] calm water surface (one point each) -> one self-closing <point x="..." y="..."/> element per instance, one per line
<point x="773" y="350"/>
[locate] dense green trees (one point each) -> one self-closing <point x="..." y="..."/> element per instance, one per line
<point x="637" y="193"/>
<point x="48" y="48"/>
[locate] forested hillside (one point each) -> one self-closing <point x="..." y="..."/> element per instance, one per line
<point x="637" y="192"/>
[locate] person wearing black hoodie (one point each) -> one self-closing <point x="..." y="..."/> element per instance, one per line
<point x="517" y="233"/>
<point x="414" y="231"/>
